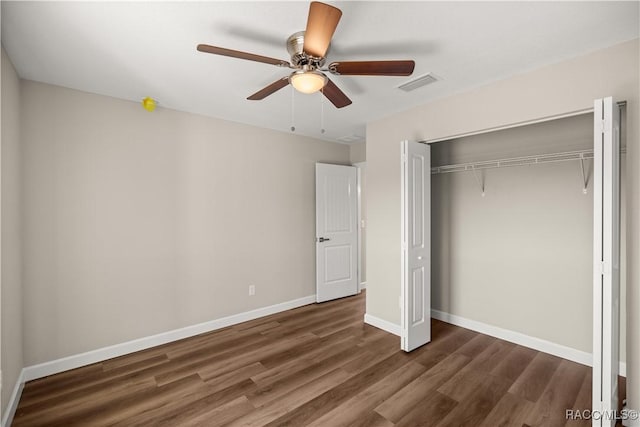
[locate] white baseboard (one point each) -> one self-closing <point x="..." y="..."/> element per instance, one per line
<point x="387" y="326"/>
<point x="363" y="285"/>
<point x="11" y="408"/>
<point x="545" y="346"/>
<point x="99" y="355"/>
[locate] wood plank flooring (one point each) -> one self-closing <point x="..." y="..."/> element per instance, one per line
<point x="317" y="365"/>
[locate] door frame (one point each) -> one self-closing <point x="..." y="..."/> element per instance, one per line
<point x="359" y="166"/>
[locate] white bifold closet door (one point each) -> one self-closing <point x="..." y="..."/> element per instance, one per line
<point x="415" y="294"/>
<point x="606" y="245"/>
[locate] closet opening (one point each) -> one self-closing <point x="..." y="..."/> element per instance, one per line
<point x="512" y="229"/>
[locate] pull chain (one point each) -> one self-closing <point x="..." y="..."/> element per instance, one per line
<point x="322" y="111"/>
<point x="293" y="109"/>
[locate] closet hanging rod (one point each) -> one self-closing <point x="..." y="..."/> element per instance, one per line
<point x="517" y="161"/>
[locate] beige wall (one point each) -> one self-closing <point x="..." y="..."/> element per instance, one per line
<point x="358" y="152"/>
<point x="11" y="340"/>
<point x="138" y="223"/>
<point x="557" y="89"/>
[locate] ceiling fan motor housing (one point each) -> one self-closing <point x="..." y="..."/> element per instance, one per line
<point x="295" y="46"/>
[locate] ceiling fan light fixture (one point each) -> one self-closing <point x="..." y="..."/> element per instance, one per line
<point x="308" y="81"/>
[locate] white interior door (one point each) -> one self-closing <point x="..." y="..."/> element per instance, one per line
<point x="416" y="245"/>
<point x="606" y="245"/>
<point x="336" y="232"/>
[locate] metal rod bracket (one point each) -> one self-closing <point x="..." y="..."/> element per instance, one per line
<point x="480" y="181"/>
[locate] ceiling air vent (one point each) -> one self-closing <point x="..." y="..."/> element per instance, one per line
<point x="419" y="82"/>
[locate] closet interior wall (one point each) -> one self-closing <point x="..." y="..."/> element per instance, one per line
<point x="520" y="257"/>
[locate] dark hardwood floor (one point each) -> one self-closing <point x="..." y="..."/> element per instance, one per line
<point x="316" y="365"/>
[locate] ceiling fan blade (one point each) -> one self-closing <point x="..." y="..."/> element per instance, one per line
<point x="335" y="95"/>
<point x="321" y="24"/>
<point x="372" y="68"/>
<point x="241" y="55"/>
<point x="272" y="88"/>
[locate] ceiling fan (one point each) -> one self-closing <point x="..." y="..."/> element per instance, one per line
<point x="308" y="50"/>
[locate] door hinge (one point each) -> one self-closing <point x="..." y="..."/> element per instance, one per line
<point x="604" y="268"/>
<point x="603" y="126"/>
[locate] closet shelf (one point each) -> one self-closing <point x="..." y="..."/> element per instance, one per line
<point x="517" y="161"/>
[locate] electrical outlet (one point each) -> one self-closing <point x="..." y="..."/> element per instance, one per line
<point x="252" y="290"/>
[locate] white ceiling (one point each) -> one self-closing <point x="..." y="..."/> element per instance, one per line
<point x="130" y="50"/>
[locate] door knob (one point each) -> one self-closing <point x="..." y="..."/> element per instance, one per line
<point x="323" y="239"/>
